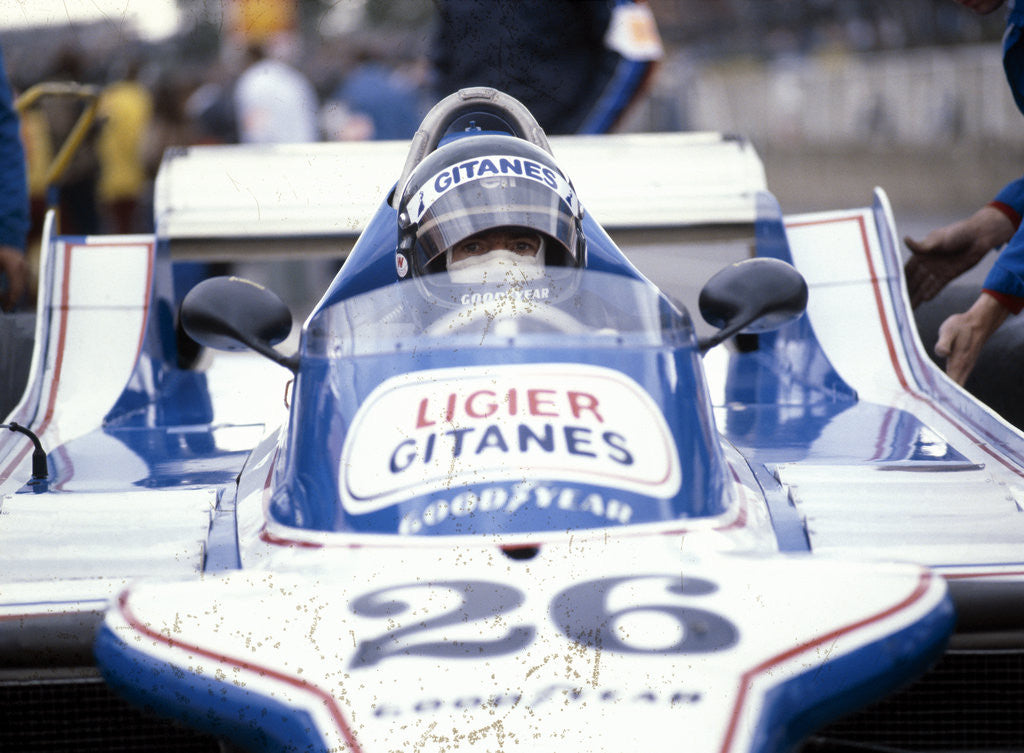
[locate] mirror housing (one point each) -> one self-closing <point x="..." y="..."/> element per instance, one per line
<point x="230" y="313"/>
<point x="754" y="295"/>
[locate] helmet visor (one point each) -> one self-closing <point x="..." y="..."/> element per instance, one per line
<point x="446" y="217"/>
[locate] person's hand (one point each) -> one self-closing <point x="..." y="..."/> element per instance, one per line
<point x="962" y="336"/>
<point x="14" y="268"/>
<point x="949" y="251"/>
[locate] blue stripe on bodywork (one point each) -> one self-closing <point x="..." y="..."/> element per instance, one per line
<point x="222" y="709"/>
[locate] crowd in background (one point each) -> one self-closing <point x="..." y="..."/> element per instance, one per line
<point x="373" y="83"/>
<point x="143" y="110"/>
<point x="578" y="66"/>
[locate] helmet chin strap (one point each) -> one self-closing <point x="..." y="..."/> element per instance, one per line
<point x="497" y="265"/>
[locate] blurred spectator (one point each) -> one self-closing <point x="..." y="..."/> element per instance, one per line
<point x="373" y="101"/>
<point x="339" y="122"/>
<point x="577" y="66"/>
<point x="274" y="102"/>
<point x="76" y="186"/>
<point x="14" y="220"/>
<point x="172" y="124"/>
<point x="211" y="107"/>
<point x="35" y="135"/>
<point x="126" y="110"/>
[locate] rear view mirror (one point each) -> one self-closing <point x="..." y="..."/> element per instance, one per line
<point x="755" y="295"/>
<point x="229" y="313"/>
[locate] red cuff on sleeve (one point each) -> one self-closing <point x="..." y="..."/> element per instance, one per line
<point x="1011" y="303"/>
<point x="1009" y="211"/>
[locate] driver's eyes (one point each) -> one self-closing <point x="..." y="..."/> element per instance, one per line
<point x="519" y="246"/>
<point x="524" y="245"/>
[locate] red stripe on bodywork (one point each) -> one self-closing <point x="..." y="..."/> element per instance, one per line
<point x="765" y="667"/>
<point x="296" y="682"/>
<point x="887" y="332"/>
<point x="62" y="328"/>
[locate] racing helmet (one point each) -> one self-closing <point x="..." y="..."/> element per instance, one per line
<point x="480" y="183"/>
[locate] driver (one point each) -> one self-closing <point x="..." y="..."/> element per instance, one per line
<point x="488" y="209"/>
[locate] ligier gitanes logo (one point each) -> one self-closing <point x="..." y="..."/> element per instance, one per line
<point x="431" y="431"/>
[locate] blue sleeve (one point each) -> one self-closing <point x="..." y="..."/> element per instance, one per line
<point x="1013" y="55"/>
<point x="1012" y="195"/>
<point x="14" y="216"/>
<point x="624" y="88"/>
<point x="1007" y="274"/>
<point x="626" y="84"/>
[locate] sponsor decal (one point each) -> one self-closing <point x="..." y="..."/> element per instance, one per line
<point x="653" y="615"/>
<point x="512" y="295"/>
<point x="437" y="431"/>
<point x="508" y="500"/>
<point x="560" y="694"/>
<point x="497" y="169"/>
<point x="401" y="265"/>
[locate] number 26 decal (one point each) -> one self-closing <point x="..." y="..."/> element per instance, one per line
<point x="481" y="600"/>
<point x="580" y="612"/>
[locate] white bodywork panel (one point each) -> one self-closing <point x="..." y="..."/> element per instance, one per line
<point x="94" y="534"/>
<point x="964" y="519"/>
<point x="332" y="189"/>
<point x="92" y="315"/>
<point x="408" y="648"/>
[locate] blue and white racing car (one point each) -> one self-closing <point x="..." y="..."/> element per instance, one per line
<point x="504" y="505"/>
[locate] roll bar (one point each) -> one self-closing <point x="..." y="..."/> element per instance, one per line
<point x="479" y="102"/>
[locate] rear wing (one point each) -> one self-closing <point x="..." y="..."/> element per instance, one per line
<point x="241" y="201"/>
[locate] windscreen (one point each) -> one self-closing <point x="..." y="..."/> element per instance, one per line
<point x="594" y="309"/>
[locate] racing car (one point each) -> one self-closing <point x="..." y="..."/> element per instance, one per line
<point x="515" y="504"/>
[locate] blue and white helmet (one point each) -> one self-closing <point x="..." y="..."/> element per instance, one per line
<point x="483" y="182"/>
